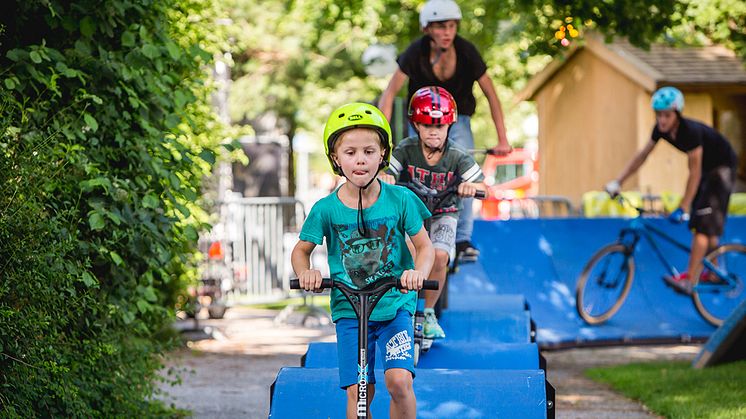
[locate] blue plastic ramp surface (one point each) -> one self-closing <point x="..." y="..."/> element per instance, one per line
<point x="727" y="344"/>
<point x="486" y="327"/>
<point x="542" y="259"/>
<point x="313" y="393"/>
<point x="445" y="354"/>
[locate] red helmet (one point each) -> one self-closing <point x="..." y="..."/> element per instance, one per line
<point x="432" y="105"/>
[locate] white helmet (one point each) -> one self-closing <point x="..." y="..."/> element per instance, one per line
<point x="439" y="11"/>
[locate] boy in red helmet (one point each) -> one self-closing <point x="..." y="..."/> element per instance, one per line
<point x="432" y="159"/>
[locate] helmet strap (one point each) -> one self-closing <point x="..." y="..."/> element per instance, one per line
<point x="361" y="227"/>
<point x="432" y="150"/>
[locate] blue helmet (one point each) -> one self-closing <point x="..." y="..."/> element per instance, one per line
<point x="668" y="99"/>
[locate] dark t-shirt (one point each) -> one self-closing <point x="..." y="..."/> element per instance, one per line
<point x="415" y="63"/>
<point x="716" y="151"/>
<point x="407" y="157"/>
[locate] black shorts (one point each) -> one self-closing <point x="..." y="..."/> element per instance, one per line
<point x="710" y="206"/>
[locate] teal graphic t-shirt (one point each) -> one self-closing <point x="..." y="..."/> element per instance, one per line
<point x="359" y="260"/>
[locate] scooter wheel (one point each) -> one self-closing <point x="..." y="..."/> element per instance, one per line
<point x="416" y="353"/>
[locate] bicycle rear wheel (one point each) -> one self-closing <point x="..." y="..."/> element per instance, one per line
<point x="715" y="298"/>
<point x="604" y="283"/>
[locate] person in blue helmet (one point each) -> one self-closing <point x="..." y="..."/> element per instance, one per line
<point x="712" y="175"/>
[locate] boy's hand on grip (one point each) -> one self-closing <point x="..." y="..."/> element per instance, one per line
<point x="466" y="190"/>
<point x="412" y="280"/>
<point x="310" y="280"/>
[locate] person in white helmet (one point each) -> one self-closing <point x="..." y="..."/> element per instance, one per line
<point x="442" y="58"/>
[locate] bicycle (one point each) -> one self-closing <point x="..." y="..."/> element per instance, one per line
<point x="432" y="199"/>
<point x="606" y="279"/>
<point x="363" y="301"/>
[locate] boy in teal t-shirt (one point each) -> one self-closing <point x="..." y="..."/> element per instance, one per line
<point x="365" y="223"/>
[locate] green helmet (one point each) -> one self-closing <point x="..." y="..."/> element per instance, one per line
<point x="357" y="115"/>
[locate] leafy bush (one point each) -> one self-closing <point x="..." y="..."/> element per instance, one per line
<point x="105" y="136"/>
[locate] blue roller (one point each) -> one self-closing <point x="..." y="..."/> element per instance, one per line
<point x="542" y="260"/>
<point x="445" y="354"/>
<point x="486" y="302"/>
<point x="486" y="327"/>
<point x="469" y="355"/>
<point x="313" y="393"/>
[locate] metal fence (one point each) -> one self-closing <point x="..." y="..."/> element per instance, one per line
<point x="259" y="233"/>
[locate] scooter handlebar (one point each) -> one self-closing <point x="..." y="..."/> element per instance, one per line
<point x="325" y="283"/>
<point x="329" y="283"/>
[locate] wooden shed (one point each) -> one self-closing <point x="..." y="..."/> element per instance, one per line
<point x="594" y="113"/>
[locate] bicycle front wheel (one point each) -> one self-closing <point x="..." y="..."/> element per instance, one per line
<point x="605" y="283"/>
<point x="715" y="297"/>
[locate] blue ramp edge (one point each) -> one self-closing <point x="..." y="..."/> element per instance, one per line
<point x="486" y="327"/>
<point x="727" y="344"/>
<point x="488" y="302"/>
<point x="441" y="393"/>
<point x="445" y="354"/>
<point x="542" y="259"/>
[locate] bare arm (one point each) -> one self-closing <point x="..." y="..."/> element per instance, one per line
<point x="386" y="103"/>
<point x="300" y="258"/>
<point x="485" y="83"/>
<point x="636" y="162"/>
<point x="424" y="252"/>
<point x="692" y="182"/>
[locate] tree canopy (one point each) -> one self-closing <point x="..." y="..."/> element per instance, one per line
<point x="297" y="59"/>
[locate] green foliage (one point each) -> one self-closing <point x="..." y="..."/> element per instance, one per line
<point x="297" y="60"/>
<point x="675" y="390"/>
<point x="105" y="137"/>
<point x="721" y="21"/>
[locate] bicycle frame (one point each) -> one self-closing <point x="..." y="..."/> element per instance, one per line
<point x="639" y="227"/>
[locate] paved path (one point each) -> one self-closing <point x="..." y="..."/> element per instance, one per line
<point x="229" y="375"/>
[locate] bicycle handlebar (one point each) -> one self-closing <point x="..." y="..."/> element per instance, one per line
<point x="330" y="283"/>
<point x="622" y="200"/>
<point x="422" y="191"/>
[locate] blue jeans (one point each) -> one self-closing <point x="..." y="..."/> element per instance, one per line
<point x="461" y="134"/>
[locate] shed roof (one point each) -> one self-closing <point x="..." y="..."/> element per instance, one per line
<point x="712" y="65"/>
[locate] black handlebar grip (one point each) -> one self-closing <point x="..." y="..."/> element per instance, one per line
<point x="430" y="285"/>
<point x="325" y="283"/>
<point x="480" y="195"/>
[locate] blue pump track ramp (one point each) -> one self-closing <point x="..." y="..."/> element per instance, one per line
<point x="727" y="344"/>
<point x="541" y="259"/>
<point x="445" y="354"/>
<point x="441" y="393"/>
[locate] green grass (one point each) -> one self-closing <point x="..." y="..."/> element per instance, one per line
<point x="676" y="390"/>
<point x="318" y="301"/>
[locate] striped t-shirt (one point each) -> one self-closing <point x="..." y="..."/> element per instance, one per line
<point x="408" y="162"/>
